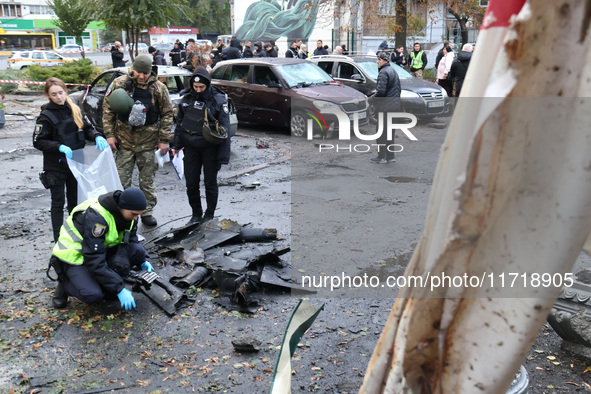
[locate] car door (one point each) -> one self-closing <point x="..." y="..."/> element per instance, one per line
<point x="233" y="80"/>
<point x="267" y="103"/>
<point x="327" y="66"/>
<point x="54" y="59"/>
<point x="38" y="58"/>
<point x="92" y="103"/>
<point x="348" y="74"/>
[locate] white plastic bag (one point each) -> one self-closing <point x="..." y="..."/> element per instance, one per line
<point x="161" y="159"/>
<point x="177" y="163"/>
<point x="95" y="172"/>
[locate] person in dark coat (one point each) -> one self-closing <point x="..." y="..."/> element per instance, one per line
<point x="233" y="51"/>
<point x="459" y="68"/>
<point x="292" y="51"/>
<point x="60" y="129"/>
<point x="202" y="100"/>
<point x="117" y="55"/>
<point x="158" y="56"/>
<point x="387" y="99"/>
<point x="398" y="57"/>
<point x="271" y="52"/>
<point x="320" y="50"/>
<point x="175" y="55"/>
<point x="259" y="51"/>
<point x="97" y="248"/>
<point x="220" y="47"/>
<point x="247" y="53"/>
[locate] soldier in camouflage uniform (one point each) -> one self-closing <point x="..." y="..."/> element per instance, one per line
<point x="136" y="144"/>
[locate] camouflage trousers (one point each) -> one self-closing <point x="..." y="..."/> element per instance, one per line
<point x="126" y="161"/>
<point x="418" y="73"/>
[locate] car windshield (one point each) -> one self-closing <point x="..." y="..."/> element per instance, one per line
<point x="303" y="74"/>
<point x="371" y="69"/>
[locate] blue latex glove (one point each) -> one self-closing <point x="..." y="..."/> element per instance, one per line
<point x="146" y="266"/>
<point x="66" y="151"/>
<point x="101" y="143"/>
<point x="126" y="298"/>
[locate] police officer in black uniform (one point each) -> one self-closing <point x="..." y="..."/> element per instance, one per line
<point x="59" y="130"/>
<point x="201" y="149"/>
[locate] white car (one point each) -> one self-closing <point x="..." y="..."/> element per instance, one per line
<point x="72" y="48"/>
<point x="22" y="59"/>
<point x="140" y="47"/>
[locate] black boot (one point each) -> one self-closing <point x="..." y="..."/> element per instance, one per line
<point x="194" y="219"/>
<point x="60" y="297"/>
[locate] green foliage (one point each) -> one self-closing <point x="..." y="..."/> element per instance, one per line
<point x="73" y="17"/>
<point x="81" y="71"/>
<point x="430" y="74"/>
<point x="16" y="75"/>
<point x="415" y="25"/>
<point x="110" y="35"/>
<point x="136" y="15"/>
<point x="208" y="15"/>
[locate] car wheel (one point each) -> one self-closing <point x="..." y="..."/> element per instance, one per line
<point x="297" y="124"/>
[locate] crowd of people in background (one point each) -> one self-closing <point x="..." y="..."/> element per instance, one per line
<point x="450" y="68"/>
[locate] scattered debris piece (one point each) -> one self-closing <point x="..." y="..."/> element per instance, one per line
<point x="246" y="344"/>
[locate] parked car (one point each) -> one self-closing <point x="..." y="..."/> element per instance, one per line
<point x="164" y="47"/>
<point x="22" y="59"/>
<point x="264" y="90"/>
<point x="423" y="99"/>
<point x="107" y="47"/>
<point x="72" y="48"/>
<point x="90" y="99"/>
<point x="140" y="47"/>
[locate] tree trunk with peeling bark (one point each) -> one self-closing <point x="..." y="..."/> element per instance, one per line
<point x="512" y="193"/>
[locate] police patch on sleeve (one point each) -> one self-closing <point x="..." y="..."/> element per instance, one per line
<point x="38" y="128"/>
<point x="226" y="109"/>
<point x="98" y="230"/>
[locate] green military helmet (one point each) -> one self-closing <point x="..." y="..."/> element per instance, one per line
<point x="120" y="101"/>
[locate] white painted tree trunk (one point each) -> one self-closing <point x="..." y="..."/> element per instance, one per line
<point x="512" y="193"/>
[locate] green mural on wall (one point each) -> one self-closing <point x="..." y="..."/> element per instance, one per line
<point x="270" y="19"/>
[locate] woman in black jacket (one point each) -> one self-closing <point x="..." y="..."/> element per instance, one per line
<point x="202" y="100"/>
<point x="59" y="130"/>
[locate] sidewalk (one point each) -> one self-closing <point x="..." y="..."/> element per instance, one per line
<point x="20" y="112"/>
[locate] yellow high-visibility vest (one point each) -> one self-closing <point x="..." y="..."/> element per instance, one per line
<point x="68" y="247"/>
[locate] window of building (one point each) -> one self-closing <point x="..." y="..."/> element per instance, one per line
<point x="40" y="10"/>
<point x="10" y="10"/>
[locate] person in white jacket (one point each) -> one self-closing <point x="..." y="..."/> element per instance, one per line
<point x="443" y="70"/>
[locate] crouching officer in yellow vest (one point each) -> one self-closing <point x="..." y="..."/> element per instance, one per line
<point x="97" y="247"/>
